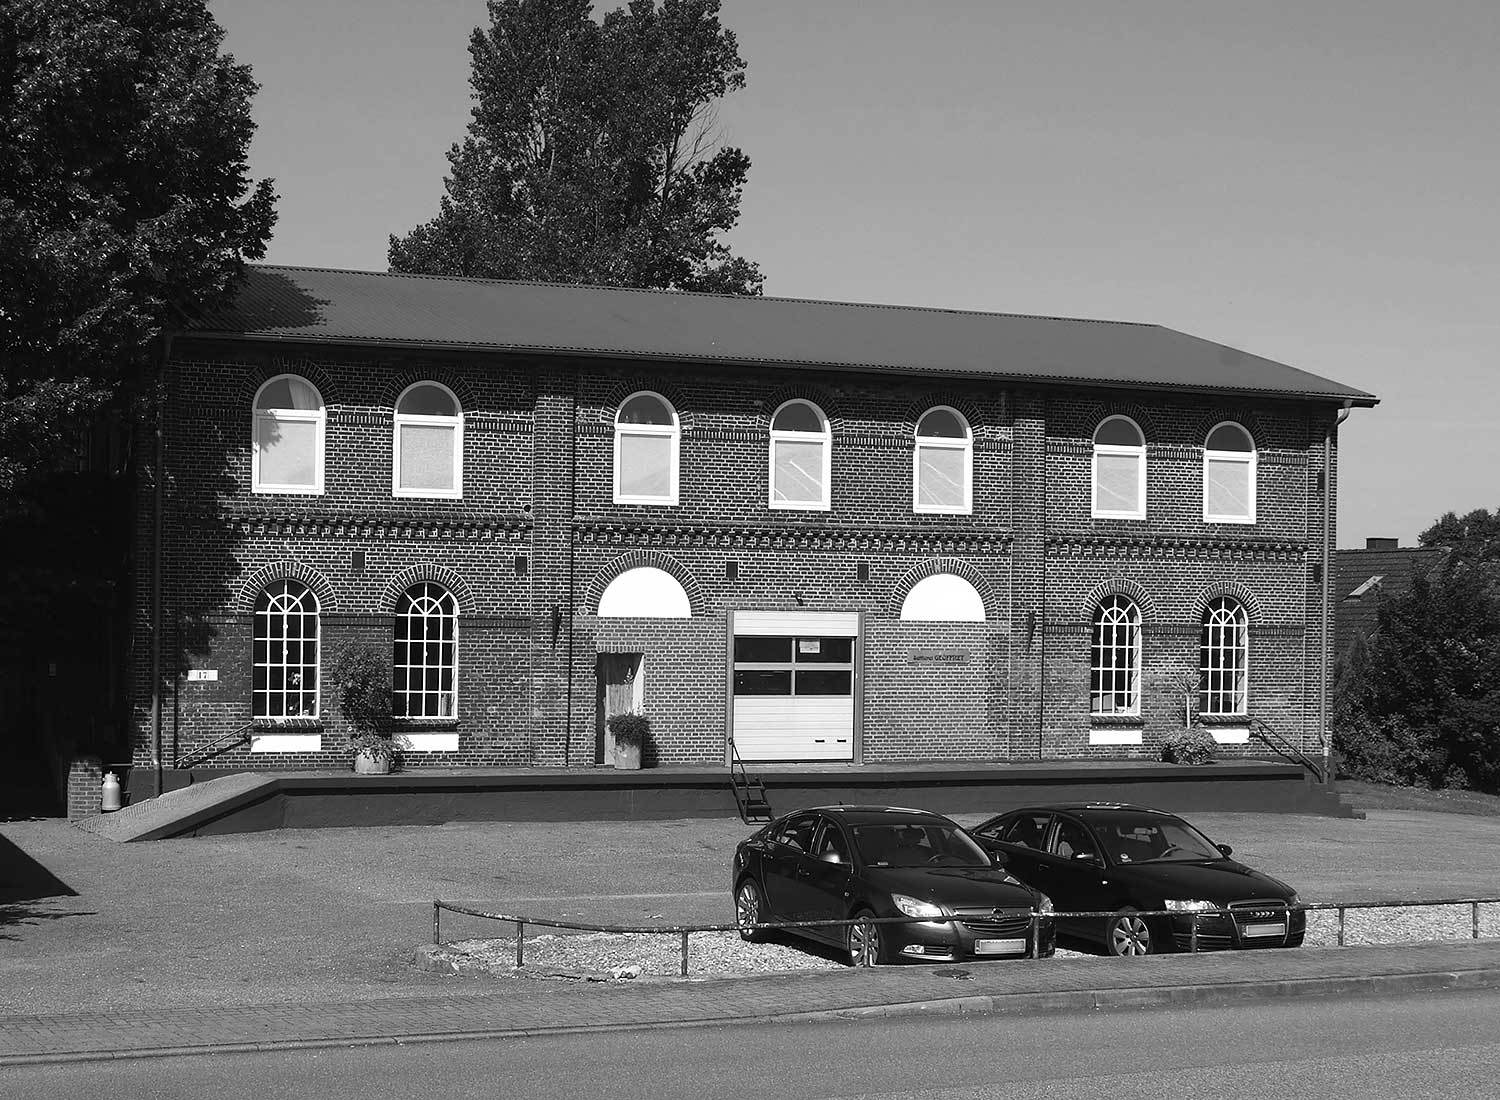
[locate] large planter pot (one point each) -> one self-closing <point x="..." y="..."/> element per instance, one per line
<point x="371" y="763"/>
<point x="627" y="757"/>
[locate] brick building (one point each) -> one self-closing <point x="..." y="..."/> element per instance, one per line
<point x="835" y="533"/>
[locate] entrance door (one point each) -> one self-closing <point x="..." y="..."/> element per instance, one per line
<point x="793" y="685"/>
<point x="620" y="692"/>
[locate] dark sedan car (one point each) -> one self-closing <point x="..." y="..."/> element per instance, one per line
<point x="1126" y="859"/>
<point x="848" y="862"/>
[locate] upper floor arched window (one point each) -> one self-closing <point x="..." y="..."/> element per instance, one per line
<point x="1119" y="477"/>
<point x="284" y="652"/>
<point x="429" y="443"/>
<point x="1115" y="658"/>
<point x="287" y="451"/>
<point x="801" y="457"/>
<point x="647" y="440"/>
<point x="943" y="466"/>
<point x="1223" y="664"/>
<point x="1229" y="475"/>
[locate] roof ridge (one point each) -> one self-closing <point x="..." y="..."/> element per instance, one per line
<point x="705" y="294"/>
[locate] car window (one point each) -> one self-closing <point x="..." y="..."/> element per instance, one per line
<point x="1028" y="830"/>
<point x="797" y="832"/>
<point x="1072" y="840"/>
<point x="1132" y="839"/>
<point x="830" y="847"/>
<point x="918" y="846"/>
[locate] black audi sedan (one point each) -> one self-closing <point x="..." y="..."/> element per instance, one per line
<point x="1128" y="859"/>
<point x="850" y="862"/>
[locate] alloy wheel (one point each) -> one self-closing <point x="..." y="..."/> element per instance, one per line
<point x="864" y="941"/>
<point x="1128" y="935"/>
<point x="747" y="908"/>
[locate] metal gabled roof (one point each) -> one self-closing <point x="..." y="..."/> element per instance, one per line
<point x="360" y="307"/>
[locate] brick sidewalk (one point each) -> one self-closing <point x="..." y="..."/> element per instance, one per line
<point x="990" y="987"/>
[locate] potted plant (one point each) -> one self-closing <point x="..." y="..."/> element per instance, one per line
<point x="630" y="730"/>
<point x="1194" y="745"/>
<point x="361" y="680"/>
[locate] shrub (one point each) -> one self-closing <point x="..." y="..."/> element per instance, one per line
<point x="1194" y="745"/>
<point x="361" y="679"/>
<point x="630" y="729"/>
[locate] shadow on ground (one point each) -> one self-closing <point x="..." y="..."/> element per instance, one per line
<point x="24" y="879"/>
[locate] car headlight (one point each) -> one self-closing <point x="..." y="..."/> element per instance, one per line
<point x="1185" y="906"/>
<point x="1044" y="904"/>
<point x="925" y="910"/>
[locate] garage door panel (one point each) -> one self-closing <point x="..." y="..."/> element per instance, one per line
<point x="794" y="728"/>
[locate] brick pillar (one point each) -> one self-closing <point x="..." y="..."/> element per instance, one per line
<point x="552" y="565"/>
<point x="85" y="775"/>
<point x="1028" y="609"/>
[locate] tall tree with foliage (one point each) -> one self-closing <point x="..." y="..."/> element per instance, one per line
<point x="1474" y="536"/>
<point x="125" y="201"/>
<point x="590" y="155"/>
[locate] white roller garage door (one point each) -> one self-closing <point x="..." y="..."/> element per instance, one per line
<point x="793" y="685"/>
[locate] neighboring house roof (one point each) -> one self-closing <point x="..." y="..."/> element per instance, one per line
<point x="312" y="304"/>
<point x="1362" y="578"/>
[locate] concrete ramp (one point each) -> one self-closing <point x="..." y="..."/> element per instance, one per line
<point x="182" y="810"/>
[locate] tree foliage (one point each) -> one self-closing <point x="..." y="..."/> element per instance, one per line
<point x="124" y="200"/>
<point x="1475" y="536"/>
<point x="590" y="155"/>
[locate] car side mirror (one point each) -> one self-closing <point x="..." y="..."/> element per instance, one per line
<point x="1085" y="857"/>
<point x="1226" y="849"/>
<point x="831" y="857"/>
<point x="998" y="858"/>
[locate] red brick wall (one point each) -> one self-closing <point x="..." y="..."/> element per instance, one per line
<point x="536" y="538"/>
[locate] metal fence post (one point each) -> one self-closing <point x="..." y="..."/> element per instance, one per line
<point x="684" y="952"/>
<point x="437" y="911"/>
<point x="1036" y="934"/>
<point x="520" y="940"/>
<point x="1476" y="920"/>
<point x="1341" y="926"/>
<point x="1193" y="942"/>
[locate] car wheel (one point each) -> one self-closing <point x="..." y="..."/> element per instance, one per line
<point x="864" y="941"/>
<point x="749" y="909"/>
<point x="1127" y="933"/>
<point x="1295" y="939"/>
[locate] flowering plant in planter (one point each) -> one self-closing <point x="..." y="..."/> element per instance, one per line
<point x="631" y="728"/>
<point x="1194" y="745"/>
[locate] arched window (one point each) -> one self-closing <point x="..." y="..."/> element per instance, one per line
<point x="1119" y="469"/>
<point x="1115" y="658"/>
<point x="1229" y="475"/>
<point x="943" y="468"/>
<point x="645" y="592"/>
<point x="647" y="434"/>
<point x="800" y="457"/>
<point x="424" y="664"/>
<point x="285" y="652"/>
<point x="287" y="454"/>
<point x="1223" y="659"/>
<point x="943" y="598"/>
<point x="429" y="443"/>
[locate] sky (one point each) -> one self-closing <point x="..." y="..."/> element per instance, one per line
<point x="1316" y="181"/>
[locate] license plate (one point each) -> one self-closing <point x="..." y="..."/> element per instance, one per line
<point x="999" y="947"/>
<point x="1277" y="929"/>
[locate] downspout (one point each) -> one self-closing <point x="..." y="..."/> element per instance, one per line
<point x="158" y="472"/>
<point x="1327" y="612"/>
<point x="572" y="555"/>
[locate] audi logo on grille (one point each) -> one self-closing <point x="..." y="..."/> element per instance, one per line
<point x="1261" y="914"/>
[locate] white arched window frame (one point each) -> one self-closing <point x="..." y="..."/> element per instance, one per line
<point x="801" y="457"/>
<point x="1119" y="469"/>
<point x="1224" y="659"/>
<point x="424" y="661"/>
<point x="648" y="438"/>
<point x="1115" y="659"/>
<point x="1229" y="474"/>
<point x="287" y="434"/>
<point x="943" y="598"/>
<point x="943" y="463"/>
<point x="285" y="653"/>
<point x="427" y="445"/>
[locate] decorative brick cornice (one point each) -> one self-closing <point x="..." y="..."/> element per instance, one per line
<point x="426" y="571"/>
<point x="789" y="536"/>
<point x="276" y="521"/>
<point x="654" y="559"/>
<point x="287" y="569"/>
<point x="1165" y="547"/>
<point x="933" y="567"/>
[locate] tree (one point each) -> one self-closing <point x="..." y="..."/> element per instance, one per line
<point x="125" y="202"/>
<point x="1475" y="537"/>
<point x="590" y="155"/>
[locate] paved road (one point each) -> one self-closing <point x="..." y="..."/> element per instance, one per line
<point x="1437" y="1045"/>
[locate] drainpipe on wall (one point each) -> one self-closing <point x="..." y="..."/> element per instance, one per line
<point x="158" y="471"/>
<point x="572" y="562"/>
<point x="1327" y="611"/>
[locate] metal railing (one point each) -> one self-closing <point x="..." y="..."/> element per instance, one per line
<point x="1196" y="917"/>
<point x="1279" y="744"/>
<point x="222" y="743"/>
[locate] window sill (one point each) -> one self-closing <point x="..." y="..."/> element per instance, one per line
<point x="648" y="502"/>
<point x="1237" y="521"/>
<point x="417" y="724"/>
<point x="1116" y="721"/>
<point x="286" y="491"/>
<point x="288" y="725"/>
<point x="412" y="494"/>
<point x="783" y="506"/>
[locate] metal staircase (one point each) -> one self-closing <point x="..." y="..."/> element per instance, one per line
<point x="749" y="792"/>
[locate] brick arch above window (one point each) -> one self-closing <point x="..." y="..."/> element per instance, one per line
<point x="398" y="382"/>
<point x="258" y="581"/>
<point x="1214" y="417"/>
<point x="654" y="559"/>
<point x="1119" y="586"/>
<point x="913" y="411"/>
<point x="619" y="392"/>
<point x="1098" y="412"/>
<point x="426" y="571"/>
<point x="256" y="377"/>
<point x="931" y="568"/>
<point x="1233" y="590"/>
<point x="818" y="395"/>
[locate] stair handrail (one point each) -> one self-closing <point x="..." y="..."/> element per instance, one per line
<point x="1279" y="744"/>
<point x="740" y="785"/>
<point x="222" y="743"/>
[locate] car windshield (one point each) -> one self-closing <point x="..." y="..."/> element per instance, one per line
<point x="1143" y="839"/>
<point x="911" y="845"/>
